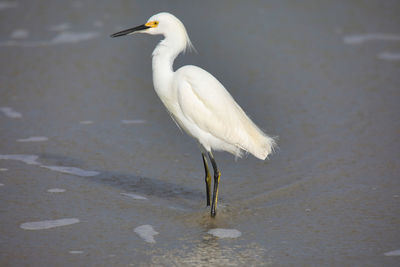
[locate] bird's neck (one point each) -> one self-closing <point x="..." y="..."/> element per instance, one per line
<point x="163" y="60"/>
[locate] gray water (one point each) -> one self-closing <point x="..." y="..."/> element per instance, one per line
<point x="321" y="75"/>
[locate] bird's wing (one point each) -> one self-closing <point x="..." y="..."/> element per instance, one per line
<point x="205" y="102"/>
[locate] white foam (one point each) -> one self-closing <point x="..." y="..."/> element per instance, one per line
<point x="71" y="170"/>
<point x="133" y="121"/>
<point x="5" y="5"/>
<point x="3" y="169"/>
<point x="73" y="37"/>
<point x="28" y="159"/>
<point x="9" y="112"/>
<point x="134" y="196"/>
<point x="146" y="232"/>
<point x="19" y="34"/>
<point x="225" y="233"/>
<point x="56" y="190"/>
<point x="34" y="139"/>
<point x="86" y="122"/>
<point x="393" y="253"/>
<point x="361" y="38"/>
<point x="389" y="56"/>
<point x="76" y="252"/>
<point x="60" y="27"/>
<point x="41" y="225"/>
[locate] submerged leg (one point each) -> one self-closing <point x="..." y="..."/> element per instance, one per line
<point x="208" y="179"/>
<point x="217" y="176"/>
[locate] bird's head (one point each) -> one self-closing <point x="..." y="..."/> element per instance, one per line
<point x="162" y="23"/>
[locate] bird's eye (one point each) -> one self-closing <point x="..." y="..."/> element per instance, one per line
<point x="152" y="24"/>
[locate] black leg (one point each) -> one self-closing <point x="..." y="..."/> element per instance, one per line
<point x="217" y="176"/>
<point x="208" y="179"/>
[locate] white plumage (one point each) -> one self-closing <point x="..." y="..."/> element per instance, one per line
<point x="197" y="101"/>
<point x="209" y="113"/>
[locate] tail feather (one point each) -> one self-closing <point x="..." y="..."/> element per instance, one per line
<point x="265" y="148"/>
<point x="255" y="141"/>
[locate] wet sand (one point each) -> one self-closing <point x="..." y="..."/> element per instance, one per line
<point x="93" y="172"/>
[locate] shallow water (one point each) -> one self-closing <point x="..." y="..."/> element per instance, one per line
<point x="324" y="77"/>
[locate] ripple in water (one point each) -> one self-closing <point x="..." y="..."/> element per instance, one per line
<point x="56" y="190"/>
<point x="28" y="159"/>
<point x="225" y="233"/>
<point x="32" y="160"/>
<point x="71" y="170"/>
<point x="64" y="37"/>
<point x="60" y="27"/>
<point x="389" y="56"/>
<point x="361" y="38"/>
<point x="133" y="121"/>
<point x="33" y="139"/>
<point x="75" y="252"/>
<point x="19" y="34"/>
<point x="41" y="225"/>
<point x="9" y="112"/>
<point x="393" y="253"/>
<point x="134" y="196"/>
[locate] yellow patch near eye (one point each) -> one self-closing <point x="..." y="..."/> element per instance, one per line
<point x="152" y="24"/>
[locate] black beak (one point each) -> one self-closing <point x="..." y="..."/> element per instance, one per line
<point x="129" y="31"/>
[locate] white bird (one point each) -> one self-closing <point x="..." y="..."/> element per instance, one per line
<point x="198" y="102"/>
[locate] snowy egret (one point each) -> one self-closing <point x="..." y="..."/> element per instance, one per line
<point x="198" y="102"/>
